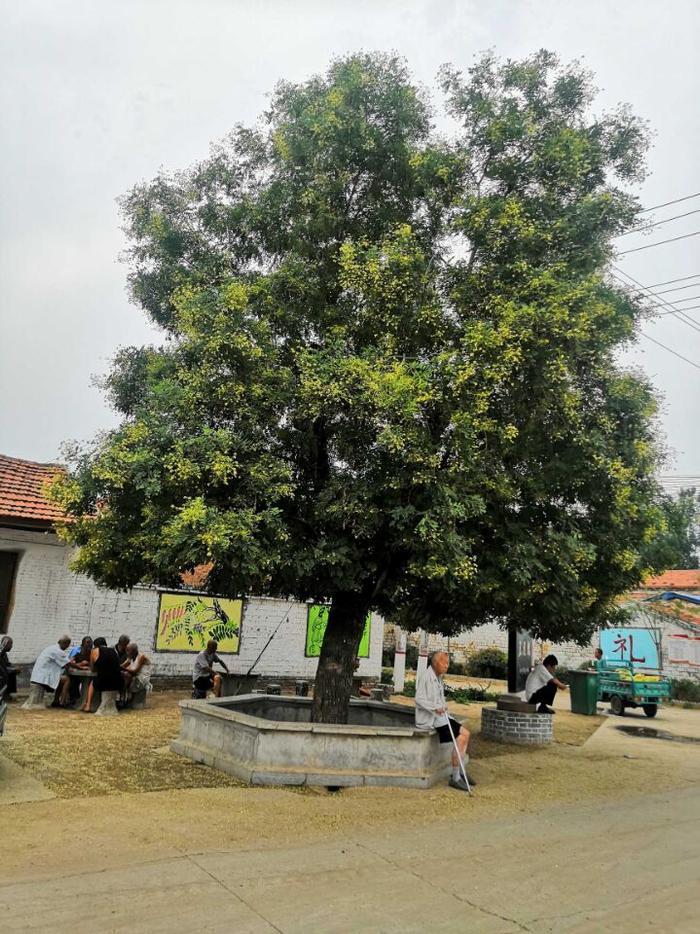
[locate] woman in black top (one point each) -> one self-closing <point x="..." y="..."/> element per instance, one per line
<point x="105" y="664"/>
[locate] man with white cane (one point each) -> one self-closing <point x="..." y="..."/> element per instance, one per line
<point x="431" y="714"/>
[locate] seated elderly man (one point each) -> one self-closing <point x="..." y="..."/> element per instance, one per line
<point x="48" y="670"/>
<point x="431" y="714"/>
<point x="204" y="678"/>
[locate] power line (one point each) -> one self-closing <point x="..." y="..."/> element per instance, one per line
<point x="688" y="308"/>
<point x="666" y="203"/>
<point x="657" y="224"/>
<point x="669" y="281"/>
<point x="664" y="303"/>
<point x="670" y="350"/>
<point x="678" y="288"/>
<point x="648" y="246"/>
<point x="690" y="298"/>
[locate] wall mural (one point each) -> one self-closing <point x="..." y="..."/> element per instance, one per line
<point x="186" y="622"/>
<point x="316" y="622"/>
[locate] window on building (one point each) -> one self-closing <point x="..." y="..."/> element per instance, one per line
<point x="8" y="566"/>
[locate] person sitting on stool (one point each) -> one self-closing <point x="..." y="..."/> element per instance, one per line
<point x="204" y="678"/>
<point x="541" y="685"/>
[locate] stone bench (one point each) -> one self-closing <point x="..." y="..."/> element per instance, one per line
<point x="38" y="698"/>
<point x="514" y="702"/>
<point x="108" y="704"/>
<point x="138" y="699"/>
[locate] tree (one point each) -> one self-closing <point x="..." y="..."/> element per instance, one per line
<point x="677" y="544"/>
<point x="389" y="378"/>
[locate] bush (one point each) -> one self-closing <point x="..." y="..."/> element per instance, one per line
<point x="683" y="689"/>
<point x="411" y="657"/>
<point x="457" y="695"/>
<point x="488" y="663"/>
<point x="465" y="695"/>
<point x="457" y="668"/>
<point x="387" y="676"/>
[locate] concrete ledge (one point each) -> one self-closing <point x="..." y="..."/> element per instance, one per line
<point x="516" y="727"/>
<point x="227" y="734"/>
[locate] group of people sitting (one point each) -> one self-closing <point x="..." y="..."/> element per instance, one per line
<point x="120" y="668"/>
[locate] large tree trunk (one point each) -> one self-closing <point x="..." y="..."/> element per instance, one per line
<point x="333" y="685"/>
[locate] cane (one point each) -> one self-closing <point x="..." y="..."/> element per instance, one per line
<point x="459" y="758"/>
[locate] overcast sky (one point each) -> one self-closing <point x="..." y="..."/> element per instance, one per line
<point x="96" y="95"/>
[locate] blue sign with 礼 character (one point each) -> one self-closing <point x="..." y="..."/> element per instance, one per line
<point x="631" y="646"/>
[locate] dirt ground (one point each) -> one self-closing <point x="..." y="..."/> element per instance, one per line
<point x="595" y="834"/>
<point x="130" y="796"/>
<point x="77" y="755"/>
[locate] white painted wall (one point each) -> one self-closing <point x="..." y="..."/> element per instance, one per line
<point x="50" y="600"/>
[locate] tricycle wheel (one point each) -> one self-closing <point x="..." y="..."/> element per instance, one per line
<point x="617" y="705"/>
<point x="650" y="710"/>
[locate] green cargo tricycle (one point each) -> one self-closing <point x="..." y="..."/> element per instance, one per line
<point x="629" y="673"/>
<point x="624" y="686"/>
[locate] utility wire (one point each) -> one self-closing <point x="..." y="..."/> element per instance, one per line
<point x="690" y="298"/>
<point x="666" y="203"/>
<point x="672" y="312"/>
<point x="657" y="224"/>
<point x="678" y="288"/>
<point x="670" y="350"/>
<point x="669" y="281"/>
<point x="648" y="246"/>
<point x="687" y="308"/>
<point x="672" y="309"/>
<point x="663" y="303"/>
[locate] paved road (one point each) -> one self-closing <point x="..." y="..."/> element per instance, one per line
<point x="626" y="866"/>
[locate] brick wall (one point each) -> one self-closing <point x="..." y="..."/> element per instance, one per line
<point x="50" y="600"/>
<point x="511" y="726"/>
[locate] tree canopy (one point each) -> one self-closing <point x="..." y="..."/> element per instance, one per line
<point x="389" y="378"/>
<point x="677" y="544"/>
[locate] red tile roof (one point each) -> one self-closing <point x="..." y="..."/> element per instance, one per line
<point x="22" y="491"/>
<point x="197" y="578"/>
<point x="674" y="580"/>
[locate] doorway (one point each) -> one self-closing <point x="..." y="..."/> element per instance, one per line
<point x="8" y="566"/>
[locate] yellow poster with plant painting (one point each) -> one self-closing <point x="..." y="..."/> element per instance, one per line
<point x="187" y="621"/>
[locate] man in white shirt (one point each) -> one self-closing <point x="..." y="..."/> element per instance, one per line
<point x="541" y="685"/>
<point x="48" y="669"/>
<point x="431" y="714"/>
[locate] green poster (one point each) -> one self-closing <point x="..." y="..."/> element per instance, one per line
<point x="316" y="622"/>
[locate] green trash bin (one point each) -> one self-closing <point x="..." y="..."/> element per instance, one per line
<point x="583" y="686"/>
